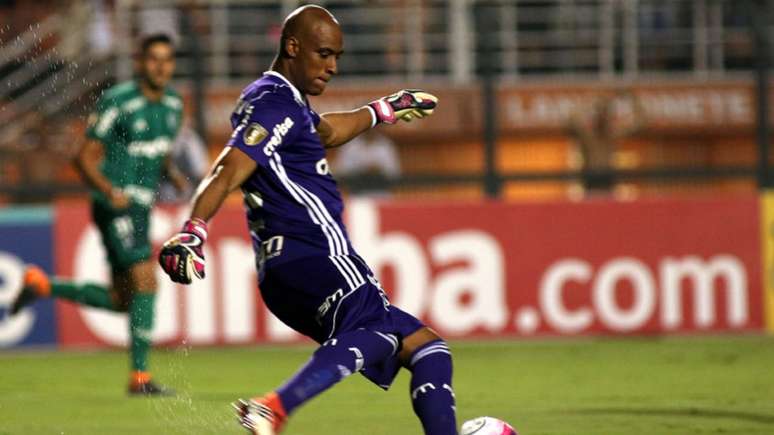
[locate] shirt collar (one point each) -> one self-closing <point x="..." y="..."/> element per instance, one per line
<point x="296" y="92"/>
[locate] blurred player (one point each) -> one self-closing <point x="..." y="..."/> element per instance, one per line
<point x="123" y="159"/>
<point x="310" y="276"/>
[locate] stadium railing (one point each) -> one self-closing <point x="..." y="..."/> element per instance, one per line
<point x="438" y="44"/>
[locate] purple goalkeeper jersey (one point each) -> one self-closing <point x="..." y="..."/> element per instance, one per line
<point x="292" y="202"/>
<point x="310" y="277"/>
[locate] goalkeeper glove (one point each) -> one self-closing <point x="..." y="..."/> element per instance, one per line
<point x="182" y="256"/>
<point x="406" y="105"/>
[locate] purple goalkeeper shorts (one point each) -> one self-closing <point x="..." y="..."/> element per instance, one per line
<point x="323" y="297"/>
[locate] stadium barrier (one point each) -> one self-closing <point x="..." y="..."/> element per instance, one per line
<point x="479" y="269"/>
<point x="767" y="254"/>
<point x="26" y="236"/>
<point x="672" y="107"/>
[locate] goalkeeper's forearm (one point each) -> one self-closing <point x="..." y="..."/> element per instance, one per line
<point x="338" y="128"/>
<point x="230" y="170"/>
<point x="210" y="194"/>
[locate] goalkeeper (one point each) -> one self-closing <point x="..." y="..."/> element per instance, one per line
<point x="125" y="154"/>
<point x="309" y="274"/>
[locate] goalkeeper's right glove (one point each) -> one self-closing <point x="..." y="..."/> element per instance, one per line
<point x="182" y="256"/>
<point x="405" y="105"/>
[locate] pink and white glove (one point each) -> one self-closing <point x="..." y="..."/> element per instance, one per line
<point x="182" y="256"/>
<point x="403" y="105"/>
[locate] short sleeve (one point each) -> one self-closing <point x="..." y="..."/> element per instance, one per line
<point x="265" y="127"/>
<point x="104" y="120"/>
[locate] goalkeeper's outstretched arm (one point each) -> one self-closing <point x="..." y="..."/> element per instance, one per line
<point x="182" y="256"/>
<point x="230" y="170"/>
<point x="338" y="128"/>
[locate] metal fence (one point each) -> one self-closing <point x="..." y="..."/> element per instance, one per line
<point x="448" y="44"/>
<point x="420" y="39"/>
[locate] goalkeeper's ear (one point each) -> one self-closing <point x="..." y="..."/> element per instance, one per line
<point x="290" y="46"/>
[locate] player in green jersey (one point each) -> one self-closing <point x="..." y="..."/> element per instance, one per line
<point x="125" y="154"/>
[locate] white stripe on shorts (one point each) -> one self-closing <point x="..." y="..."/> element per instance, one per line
<point x="440" y="347"/>
<point x="391" y="338"/>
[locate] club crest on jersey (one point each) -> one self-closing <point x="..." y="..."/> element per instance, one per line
<point x="140" y="125"/>
<point x="278" y="133"/>
<point x="254" y="134"/>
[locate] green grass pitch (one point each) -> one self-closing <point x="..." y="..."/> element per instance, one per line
<point x="633" y="386"/>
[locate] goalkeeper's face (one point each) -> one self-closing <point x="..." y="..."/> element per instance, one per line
<point x="317" y="58"/>
<point x="158" y="64"/>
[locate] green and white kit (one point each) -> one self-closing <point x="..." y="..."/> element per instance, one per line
<point x="137" y="136"/>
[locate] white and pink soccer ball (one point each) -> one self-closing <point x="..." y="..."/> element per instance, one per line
<point x="487" y="426"/>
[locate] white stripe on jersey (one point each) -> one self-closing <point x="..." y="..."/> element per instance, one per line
<point x="347" y="263"/>
<point x="316" y="204"/>
<point x="356" y="283"/>
<point x="347" y="276"/>
<point x="287" y="184"/>
<point x="337" y="244"/>
<point x="336" y="311"/>
<point x="348" y="269"/>
<point x="307" y="199"/>
<point x="328" y="217"/>
<point x="254" y="99"/>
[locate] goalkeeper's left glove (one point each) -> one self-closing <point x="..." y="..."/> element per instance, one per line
<point x="182" y="256"/>
<point x="406" y="105"/>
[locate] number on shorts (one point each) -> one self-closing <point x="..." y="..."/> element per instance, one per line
<point x="125" y="230"/>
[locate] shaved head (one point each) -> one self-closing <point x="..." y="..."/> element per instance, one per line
<point x="305" y="20"/>
<point x="310" y="46"/>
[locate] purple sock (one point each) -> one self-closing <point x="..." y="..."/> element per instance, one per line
<point x="431" y="392"/>
<point x="336" y="359"/>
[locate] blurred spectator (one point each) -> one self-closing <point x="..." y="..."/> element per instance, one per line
<point x="160" y="19"/>
<point x="597" y="135"/>
<point x="74" y="33"/>
<point x="189" y="154"/>
<point x="19" y="16"/>
<point x="35" y="173"/>
<point x="405" y="16"/>
<point x="370" y="154"/>
<point x="101" y="29"/>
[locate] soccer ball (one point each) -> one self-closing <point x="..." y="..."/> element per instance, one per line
<point x="487" y="426"/>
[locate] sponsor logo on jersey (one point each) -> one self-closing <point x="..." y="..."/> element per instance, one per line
<point x="149" y="148"/>
<point x="139" y="194"/>
<point x="278" y="133"/>
<point x="254" y="134"/>
<point x="327" y="304"/>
